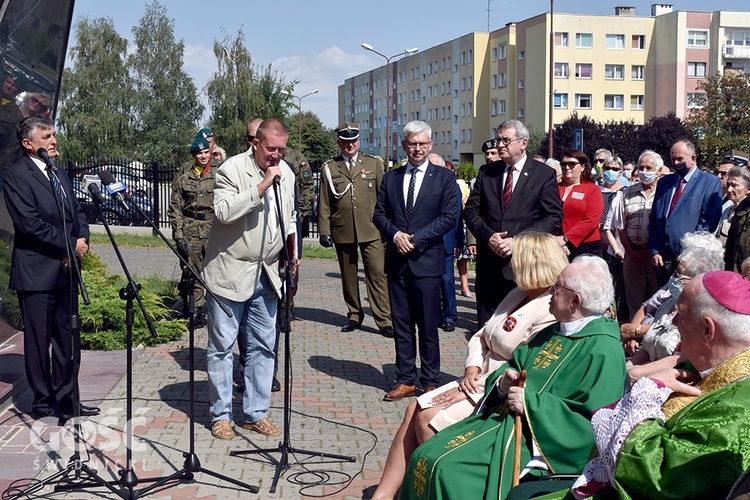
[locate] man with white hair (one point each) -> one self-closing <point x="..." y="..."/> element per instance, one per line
<point x="572" y="366"/>
<point x="668" y="438"/>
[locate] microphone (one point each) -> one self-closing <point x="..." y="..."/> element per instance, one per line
<point x="277" y="180"/>
<point x="114" y="188"/>
<point x="92" y="184"/>
<point x="44" y="156"/>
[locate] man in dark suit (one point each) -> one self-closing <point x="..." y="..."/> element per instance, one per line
<point x="416" y="207"/>
<point x="50" y="231"/>
<point x="510" y="196"/>
<point x="688" y="200"/>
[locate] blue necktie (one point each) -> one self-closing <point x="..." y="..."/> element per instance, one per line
<point x="58" y="188"/>
<point x="410" y="194"/>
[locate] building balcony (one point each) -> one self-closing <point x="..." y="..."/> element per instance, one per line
<point x="736" y="51"/>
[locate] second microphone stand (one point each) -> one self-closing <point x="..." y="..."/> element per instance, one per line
<point x="285" y="447"/>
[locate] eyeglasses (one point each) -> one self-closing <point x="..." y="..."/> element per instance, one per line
<point x="569" y="164"/>
<point x="719" y="173"/>
<point x="417" y="145"/>
<point x="505" y="141"/>
<point x="216" y="154"/>
<point x="616" y="169"/>
<point x="557" y="286"/>
<point x="249" y="137"/>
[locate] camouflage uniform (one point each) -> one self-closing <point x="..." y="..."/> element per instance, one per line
<point x="191" y="212"/>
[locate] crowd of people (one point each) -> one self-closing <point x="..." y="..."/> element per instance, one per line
<point x="612" y="304"/>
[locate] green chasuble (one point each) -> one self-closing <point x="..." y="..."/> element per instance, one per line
<point x="568" y="378"/>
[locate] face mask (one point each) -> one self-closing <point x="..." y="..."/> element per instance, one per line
<point x="627" y="174"/>
<point x="610" y="176"/>
<point x="674" y="286"/>
<point x="647" y="177"/>
<point x="681" y="169"/>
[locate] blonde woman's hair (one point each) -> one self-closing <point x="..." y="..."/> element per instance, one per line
<point x="537" y="260"/>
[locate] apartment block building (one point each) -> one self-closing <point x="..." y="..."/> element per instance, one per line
<point x="608" y="67"/>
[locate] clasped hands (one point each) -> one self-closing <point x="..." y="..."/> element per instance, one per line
<point x="404" y="242"/>
<point x="500" y="244"/>
<point x="508" y="384"/>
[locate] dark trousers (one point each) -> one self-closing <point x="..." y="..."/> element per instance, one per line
<point x="492" y="285"/>
<point x="415" y="307"/>
<point x="448" y="307"/>
<point x="47" y="322"/>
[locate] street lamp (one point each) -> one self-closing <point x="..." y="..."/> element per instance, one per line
<point x="406" y="52"/>
<point x="299" y="114"/>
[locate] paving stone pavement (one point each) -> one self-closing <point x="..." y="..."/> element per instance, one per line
<point x="338" y="384"/>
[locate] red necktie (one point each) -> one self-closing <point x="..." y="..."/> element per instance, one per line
<point x="676" y="197"/>
<point x="508" y="189"/>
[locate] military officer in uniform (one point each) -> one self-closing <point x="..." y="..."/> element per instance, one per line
<point x="191" y="212"/>
<point x="349" y="186"/>
<point x="305" y="188"/>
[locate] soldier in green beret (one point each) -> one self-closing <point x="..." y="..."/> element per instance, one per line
<point x="191" y="212"/>
<point x="349" y="186"/>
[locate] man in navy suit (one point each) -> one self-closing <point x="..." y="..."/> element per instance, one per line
<point x="688" y="200"/>
<point x="50" y="231"/>
<point x="417" y="205"/>
<point x="510" y="196"/>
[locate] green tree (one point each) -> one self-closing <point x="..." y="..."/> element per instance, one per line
<point x="661" y="132"/>
<point x="723" y="122"/>
<point x="96" y="94"/>
<point x="240" y="91"/>
<point x="166" y="109"/>
<point x="318" y="143"/>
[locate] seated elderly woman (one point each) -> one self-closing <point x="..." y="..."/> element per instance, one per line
<point x="572" y="368"/>
<point x="652" y="323"/>
<point x="537" y="260"/>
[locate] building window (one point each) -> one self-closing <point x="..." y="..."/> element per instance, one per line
<point x="636" y="102"/>
<point x="463" y="135"/>
<point x="494" y="53"/>
<point x="463" y="84"/>
<point x="615" y="42"/>
<point x="470" y="109"/>
<point x="494" y="81"/>
<point x="501" y="52"/>
<point x="584" y="40"/>
<point x="520" y="112"/>
<point x="696" y="99"/>
<point x="639" y="42"/>
<point x="521" y="55"/>
<point x="561" y="70"/>
<point x="561" y="101"/>
<point x="561" y="39"/>
<point x="521" y="84"/>
<point x="613" y="101"/>
<point x="468" y="135"/>
<point x="493" y="107"/>
<point x="637" y="72"/>
<point x="501" y="80"/>
<point x="463" y="110"/>
<point x="469" y="57"/>
<point x="583" y="70"/>
<point x="470" y="83"/>
<point x="583" y="101"/>
<point x="697" y="38"/>
<point x="501" y="107"/>
<point x="463" y="58"/>
<point x="614" y="72"/>
<point x="738" y="38"/>
<point x="697" y="69"/>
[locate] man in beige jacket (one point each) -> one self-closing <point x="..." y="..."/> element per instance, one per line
<point x="242" y="268"/>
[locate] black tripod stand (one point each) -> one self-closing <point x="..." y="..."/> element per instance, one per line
<point x="192" y="464"/>
<point x="285" y="447"/>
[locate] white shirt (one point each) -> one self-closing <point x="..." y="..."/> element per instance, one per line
<point x="516" y="171"/>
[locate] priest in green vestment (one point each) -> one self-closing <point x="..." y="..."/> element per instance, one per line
<point x="573" y="368"/>
<point x="667" y="438"/>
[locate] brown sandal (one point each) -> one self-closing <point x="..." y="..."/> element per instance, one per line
<point x="263" y="426"/>
<point x="222" y="429"/>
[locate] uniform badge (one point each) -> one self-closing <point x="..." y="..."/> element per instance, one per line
<point x="510" y="324"/>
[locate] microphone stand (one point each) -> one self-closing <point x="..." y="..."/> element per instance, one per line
<point x="76" y="466"/>
<point x="285" y="447"/>
<point x="192" y="464"/>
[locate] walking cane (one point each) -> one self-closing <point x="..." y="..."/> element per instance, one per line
<point x="517" y="429"/>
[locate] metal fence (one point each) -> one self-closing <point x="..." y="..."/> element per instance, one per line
<point x="152" y="182"/>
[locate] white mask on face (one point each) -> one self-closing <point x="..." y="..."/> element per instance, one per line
<point x="647" y="177"/>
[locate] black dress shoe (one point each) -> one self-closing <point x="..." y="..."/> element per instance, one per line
<point x="350" y="326"/>
<point x="275" y="385"/>
<point x="448" y="327"/>
<point x="387" y="331"/>
<point x="39" y="414"/>
<point x="85" y="411"/>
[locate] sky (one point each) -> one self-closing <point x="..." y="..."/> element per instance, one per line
<point x="318" y="42"/>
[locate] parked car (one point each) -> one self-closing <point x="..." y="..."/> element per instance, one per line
<point x="131" y="177"/>
<point x="111" y="210"/>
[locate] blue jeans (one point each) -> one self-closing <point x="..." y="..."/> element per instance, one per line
<point x="257" y="316"/>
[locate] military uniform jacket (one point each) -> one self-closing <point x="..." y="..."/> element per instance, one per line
<point x="348" y="197"/>
<point x="192" y="195"/>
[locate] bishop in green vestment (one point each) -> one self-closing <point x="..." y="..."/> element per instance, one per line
<point x="573" y="368"/>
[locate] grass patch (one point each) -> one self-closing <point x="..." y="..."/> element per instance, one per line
<point x="127" y="240"/>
